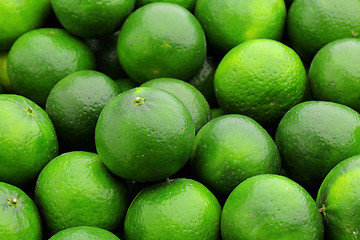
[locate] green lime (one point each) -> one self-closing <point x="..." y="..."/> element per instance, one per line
<point x="4" y="78"/>
<point x="175" y="209"/>
<point x="84" y="233"/>
<point x="231" y="22"/>
<point x="19" y="217"/>
<point x="125" y="84"/>
<point x="217" y="112"/>
<point x="144" y="134"/>
<point x="314" y="23"/>
<point x="338" y="200"/>
<point x="76" y="189"/>
<point x="314" y="136"/>
<point x="27" y="139"/>
<point x="230" y="149"/>
<point x="194" y="101"/>
<point x="20" y="16"/>
<point x="42" y="57"/>
<point x="188" y="4"/>
<point x="74" y="105"/>
<point x="89" y="19"/>
<point x="161" y="40"/>
<point x="334" y="73"/>
<point x="270" y="207"/>
<point x="261" y="79"/>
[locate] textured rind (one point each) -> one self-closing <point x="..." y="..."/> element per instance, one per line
<point x="84" y="233"/>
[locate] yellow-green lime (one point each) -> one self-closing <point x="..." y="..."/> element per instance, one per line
<point x="84" y="233"/>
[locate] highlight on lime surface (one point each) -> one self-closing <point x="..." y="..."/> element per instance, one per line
<point x="84" y="233"/>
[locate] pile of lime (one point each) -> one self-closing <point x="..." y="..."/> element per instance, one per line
<point x="179" y="119"/>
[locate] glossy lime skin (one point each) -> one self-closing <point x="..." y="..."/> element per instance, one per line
<point x="89" y="19"/>
<point x="74" y="105"/>
<point x="314" y="23"/>
<point x="84" y="233"/>
<point x="229" y="23"/>
<point x="335" y="74"/>
<point x="27" y="139"/>
<point x="145" y="141"/>
<point x="76" y="189"/>
<point x="18" y="17"/>
<point x="338" y="197"/>
<point x="175" y="209"/>
<point x="270" y="207"/>
<point x="19" y="220"/>
<point x="188" y="4"/>
<point x="161" y="40"/>
<point x="42" y="57"/>
<point x="230" y="149"/>
<point x="314" y="136"/>
<point x="194" y="101"/>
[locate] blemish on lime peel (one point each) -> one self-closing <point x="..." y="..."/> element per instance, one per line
<point x="12" y="202"/>
<point x="139" y="101"/>
<point x="29" y="111"/>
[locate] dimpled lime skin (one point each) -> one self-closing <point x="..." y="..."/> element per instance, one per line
<point x="19" y="220"/>
<point x="161" y="40"/>
<point x="84" y="233"/>
<point x="27" y="139"/>
<point x="314" y="23"/>
<point x="74" y="105"/>
<point x="188" y="4"/>
<point x="145" y="141"/>
<point x="335" y="74"/>
<point x="42" y="57"/>
<point x="229" y="23"/>
<point x="338" y="197"/>
<point x="230" y="149"/>
<point x="76" y="189"/>
<point x="270" y="207"/>
<point x="18" y="17"/>
<point x="261" y="79"/>
<point x="314" y="136"/>
<point x="174" y="209"/>
<point x="194" y="101"/>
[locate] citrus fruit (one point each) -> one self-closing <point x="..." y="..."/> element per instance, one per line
<point x="84" y="233"/>
<point x="175" y="209"/>
<point x="194" y="101"/>
<point x="125" y="84"/>
<point x="42" y="57"/>
<point x="314" y="23"/>
<point x="229" y="23"/>
<point x="161" y="40"/>
<point x="76" y="189"/>
<point x="270" y="206"/>
<point x="19" y="217"/>
<point x="217" y="112"/>
<point x="1" y="90"/>
<point x="27" y="139"/>
<point x="89" y="19"/>
<point x="335" y="73"/>
<point x="188" y="4"/>
<point x="261" y="79"/>
<point x="18" y="17"/>
<point x="338" y="200"/>
<point x="231" y="148"/>
<point x="4" y="78"/>
<point x="144" y="134"/>
<point x="74" y="105"/>
<point x="314" y="136"/>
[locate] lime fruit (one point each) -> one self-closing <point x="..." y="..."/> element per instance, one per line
<point x="4" y="78"/>
<point x="19" y="217"/>
<point x="314" y="23"/>
<point x="42" y="57"/>
<point x="125" y="84"/>
<point x="18" y="17"/>
<point x="161" y="40"/>
<point x="230" y="149"/>
<point x="229" y="23"/>
<point x="175" y="209"/>
<point x="270" y="207"/>
<point x="335" y="73"/>
<point x="89" y="19"/>
<point x="338" y="200"/>
<point x="74" y="105"/>
<point x="84" y="233"/>
<point x="188" y="4"/>
<point x="314" y="136"/>
<point x="144" y="134"/>
<point x="76" y="189"/>
<point x="261" y="79"/>
<point x="217" y="112"/>
<point x="194" y="101"/>
<point x="27" y="139"/>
